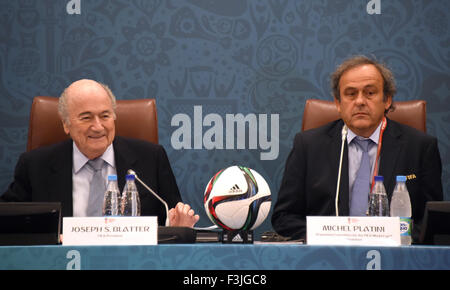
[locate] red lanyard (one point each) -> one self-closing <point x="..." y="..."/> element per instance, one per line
<point x="380" y="140"/>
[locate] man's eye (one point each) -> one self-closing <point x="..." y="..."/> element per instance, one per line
<point x="370" y="93"/>
<point x="351" y="93"/>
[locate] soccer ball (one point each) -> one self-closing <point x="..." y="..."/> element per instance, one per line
<point x="237" y="198"/>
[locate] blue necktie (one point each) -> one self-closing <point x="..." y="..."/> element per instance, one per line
<point x="361" y="186"/>
<point x="97" y="188"/>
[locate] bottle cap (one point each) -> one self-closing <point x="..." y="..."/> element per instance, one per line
<point x="379" y="178"/>
<point x="401" y="178"/>
<point x="112" y="177"/>
<point x="130" y="177"/>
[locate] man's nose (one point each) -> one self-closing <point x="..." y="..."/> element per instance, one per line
<point x="97" y="123"/>
<point x="360" y="98"/>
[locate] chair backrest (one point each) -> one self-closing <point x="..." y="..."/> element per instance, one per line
<point x="319" y="112"/>
<point x="135" y="119"/>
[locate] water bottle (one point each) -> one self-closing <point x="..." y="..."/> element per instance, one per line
<point x="378" y="201"/>
<point x="111" y="199"/>
<point x="130" y="203"/>
<point x="401" y="207"/>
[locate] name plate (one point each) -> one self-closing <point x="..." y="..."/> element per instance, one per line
<point x="367" y="231"/>
<point x="110" y="231"/>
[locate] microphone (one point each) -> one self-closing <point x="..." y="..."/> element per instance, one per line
<point x="344" y="136"/>
<point x="131" y="171"/>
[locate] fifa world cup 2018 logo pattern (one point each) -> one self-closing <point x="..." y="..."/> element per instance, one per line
<point x="253" y="207"/>
<point x="230" y="78"/>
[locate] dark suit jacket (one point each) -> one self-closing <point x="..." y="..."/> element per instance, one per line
<point x="45" y="175"/>
<point x="309" y="183"/>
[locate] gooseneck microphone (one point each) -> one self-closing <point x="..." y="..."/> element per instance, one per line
<point x="344" y="137"/>
<point x="131" y="171"/>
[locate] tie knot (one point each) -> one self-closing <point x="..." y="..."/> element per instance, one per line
<point x="363" y="143"/>
<point x="96" y="164"/>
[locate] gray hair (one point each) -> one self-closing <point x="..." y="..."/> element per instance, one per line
<point x="62" y="103"/>
<point x="389" y="88"/>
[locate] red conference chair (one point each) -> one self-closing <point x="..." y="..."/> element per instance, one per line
<point x="319" y="112"/>
<point x="135" y="119"/>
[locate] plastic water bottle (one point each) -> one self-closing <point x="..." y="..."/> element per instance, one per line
<point x="378" y="201"/>
<point x="401" y="207"/>
<point x="130" y="203"/>
<point x="111" y="199"/>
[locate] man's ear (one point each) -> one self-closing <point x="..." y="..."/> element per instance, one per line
<point x="388" y="102"/>
<point x="66" y="128"/>
<point x="338" y="105"/>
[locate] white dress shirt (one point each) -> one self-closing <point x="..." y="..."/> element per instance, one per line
<point x="82" y="176"/>
<point x="355" y="154"/>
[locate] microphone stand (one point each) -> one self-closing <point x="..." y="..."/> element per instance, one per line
<point x="130" y="171"/>
<point x="168" y="234"/>
<point x="344" y="136"/>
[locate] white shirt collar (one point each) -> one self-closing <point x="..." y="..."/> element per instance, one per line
<point x="375" y="137"/>
<point x="79" y="159"/>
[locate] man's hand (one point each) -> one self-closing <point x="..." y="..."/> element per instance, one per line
<point x="182" y="216"/>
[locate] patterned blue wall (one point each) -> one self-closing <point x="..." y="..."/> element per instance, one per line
<point x="227" y="57"/>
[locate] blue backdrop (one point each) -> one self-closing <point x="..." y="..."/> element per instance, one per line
<point x="209" y="60"/>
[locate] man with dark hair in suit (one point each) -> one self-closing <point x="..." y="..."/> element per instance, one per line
<point x="363" y="92"/>
<point x="62" y="172"/>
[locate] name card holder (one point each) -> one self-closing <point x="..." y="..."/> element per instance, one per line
<point x="110" y="231"/>
<point x="365" y="231"/>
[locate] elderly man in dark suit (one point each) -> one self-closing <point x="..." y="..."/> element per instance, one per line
<point x="61" y="173"/>
<point x="363" y="92"/>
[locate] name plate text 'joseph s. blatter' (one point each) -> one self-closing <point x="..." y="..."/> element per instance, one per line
<point x="110" y="231"/>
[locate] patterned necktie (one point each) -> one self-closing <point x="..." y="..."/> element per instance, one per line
<point x="97" y="188"/>
<point x="361" y="187"/>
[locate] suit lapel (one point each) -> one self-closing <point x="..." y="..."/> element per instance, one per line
<point x="390" y="149"/>
<point x="61" y="177"/>
<point x="61" y="171"/>
<point x="334" y="156"/>
<point x="125" y="159"/>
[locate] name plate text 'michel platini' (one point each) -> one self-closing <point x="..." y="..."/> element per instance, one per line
<point x="368" y="231"/>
